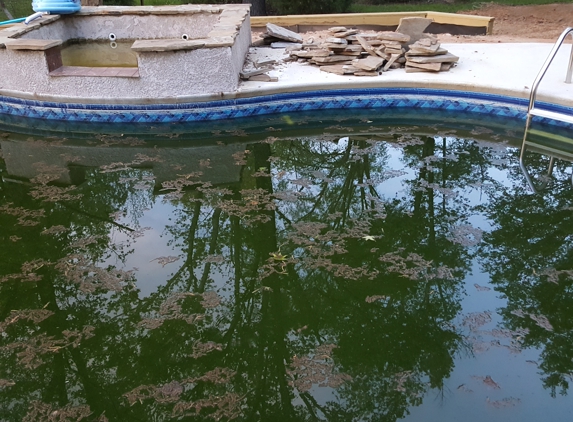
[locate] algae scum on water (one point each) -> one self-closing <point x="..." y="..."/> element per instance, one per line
<point x="352" y="270"/>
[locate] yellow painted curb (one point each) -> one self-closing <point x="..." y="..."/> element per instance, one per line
<point x="382" y="19"/>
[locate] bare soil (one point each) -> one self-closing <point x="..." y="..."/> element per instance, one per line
<point x="541" y="23"/>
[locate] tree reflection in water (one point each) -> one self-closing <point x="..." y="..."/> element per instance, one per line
<point x="303" y="278"/>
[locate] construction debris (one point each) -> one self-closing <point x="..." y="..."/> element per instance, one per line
<point x="348" y="52"/>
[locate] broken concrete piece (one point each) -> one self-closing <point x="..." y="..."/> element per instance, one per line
<point x="414" y="27"/>
<point x="370" y="63"/>
<point x="337" y="29"/>
<point x="283" y="33"/>
<point x="260" y="63"/>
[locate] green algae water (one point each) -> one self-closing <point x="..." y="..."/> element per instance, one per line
<point x="327" y="268"/>
<point x="99" y="54"/>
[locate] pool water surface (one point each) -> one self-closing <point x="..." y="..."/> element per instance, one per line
<point x="324" y="267"/>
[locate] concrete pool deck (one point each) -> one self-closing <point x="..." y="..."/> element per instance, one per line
<point x="491" y="68"/>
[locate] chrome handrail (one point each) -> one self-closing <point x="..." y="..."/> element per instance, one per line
<point x="532" y="97"/>
<point x="548" y="61"/>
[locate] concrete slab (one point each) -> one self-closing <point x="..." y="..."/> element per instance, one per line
<point x="506" y="69"/>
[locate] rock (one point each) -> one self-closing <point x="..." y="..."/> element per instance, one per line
<point x="333" y="47"/>
<point x="391" y="44"/>
<point x="418" y="52"/>
<point x="413" y="27"/>
<point x="435" y="67"/>
<point x="334" y="40"/>
<point x="365" y="73"/>
<point x="380" y="52"/>
<point x="346" y="33"/>
<point x="308" y="54"/>
<point x="427" y="42"/>
<point x="264" y="78"/>
<point x="442" y="58"/>
<point x="367" y="47"/>
<point x="338" y="69"/>
<point x="337" y="29"/>
<point x="248" y="74"/>
<point x="283" y="33"/>
<point x="388" y="50"/>
<point x="353" y="47"/>
<point x="393" y="36"/>
<point x="282" y="44"/>
<point x="347" y="62"/>
<point x="370" y="63"/>
<point x="330" y="59"/>
<point x="393" y="58"/>
<point x="428" y="49"/>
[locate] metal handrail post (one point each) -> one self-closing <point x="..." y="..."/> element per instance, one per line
<point x="570" y="67"/>
<point x="548" y="61"/>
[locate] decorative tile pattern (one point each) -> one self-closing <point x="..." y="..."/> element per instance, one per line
<point x="374" y="98"/>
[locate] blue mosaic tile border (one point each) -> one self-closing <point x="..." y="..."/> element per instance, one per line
<point x="373" y="98"/>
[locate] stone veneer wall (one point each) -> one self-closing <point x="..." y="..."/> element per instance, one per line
<point x="164" y="76"/>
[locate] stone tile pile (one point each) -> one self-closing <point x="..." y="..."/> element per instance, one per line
<point x="426" y="55"/>
<point x="348" y="52"/>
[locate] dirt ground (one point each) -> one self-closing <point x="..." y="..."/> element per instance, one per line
<point x="543" y="23"/>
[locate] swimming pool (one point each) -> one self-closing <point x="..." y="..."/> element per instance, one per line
<point x="359" y="266"/>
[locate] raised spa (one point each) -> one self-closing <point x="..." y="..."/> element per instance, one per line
<point x="180" y="51"/>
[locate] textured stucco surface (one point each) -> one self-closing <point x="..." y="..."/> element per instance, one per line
<point x="126" y="27"/>
<point x="185" y="73"/>
<point x="162" y="74"/>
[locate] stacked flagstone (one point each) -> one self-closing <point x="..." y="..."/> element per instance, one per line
<point x="347" y="52"/>
<point x="426" y="55"/>
<point x="278" y="34"/>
